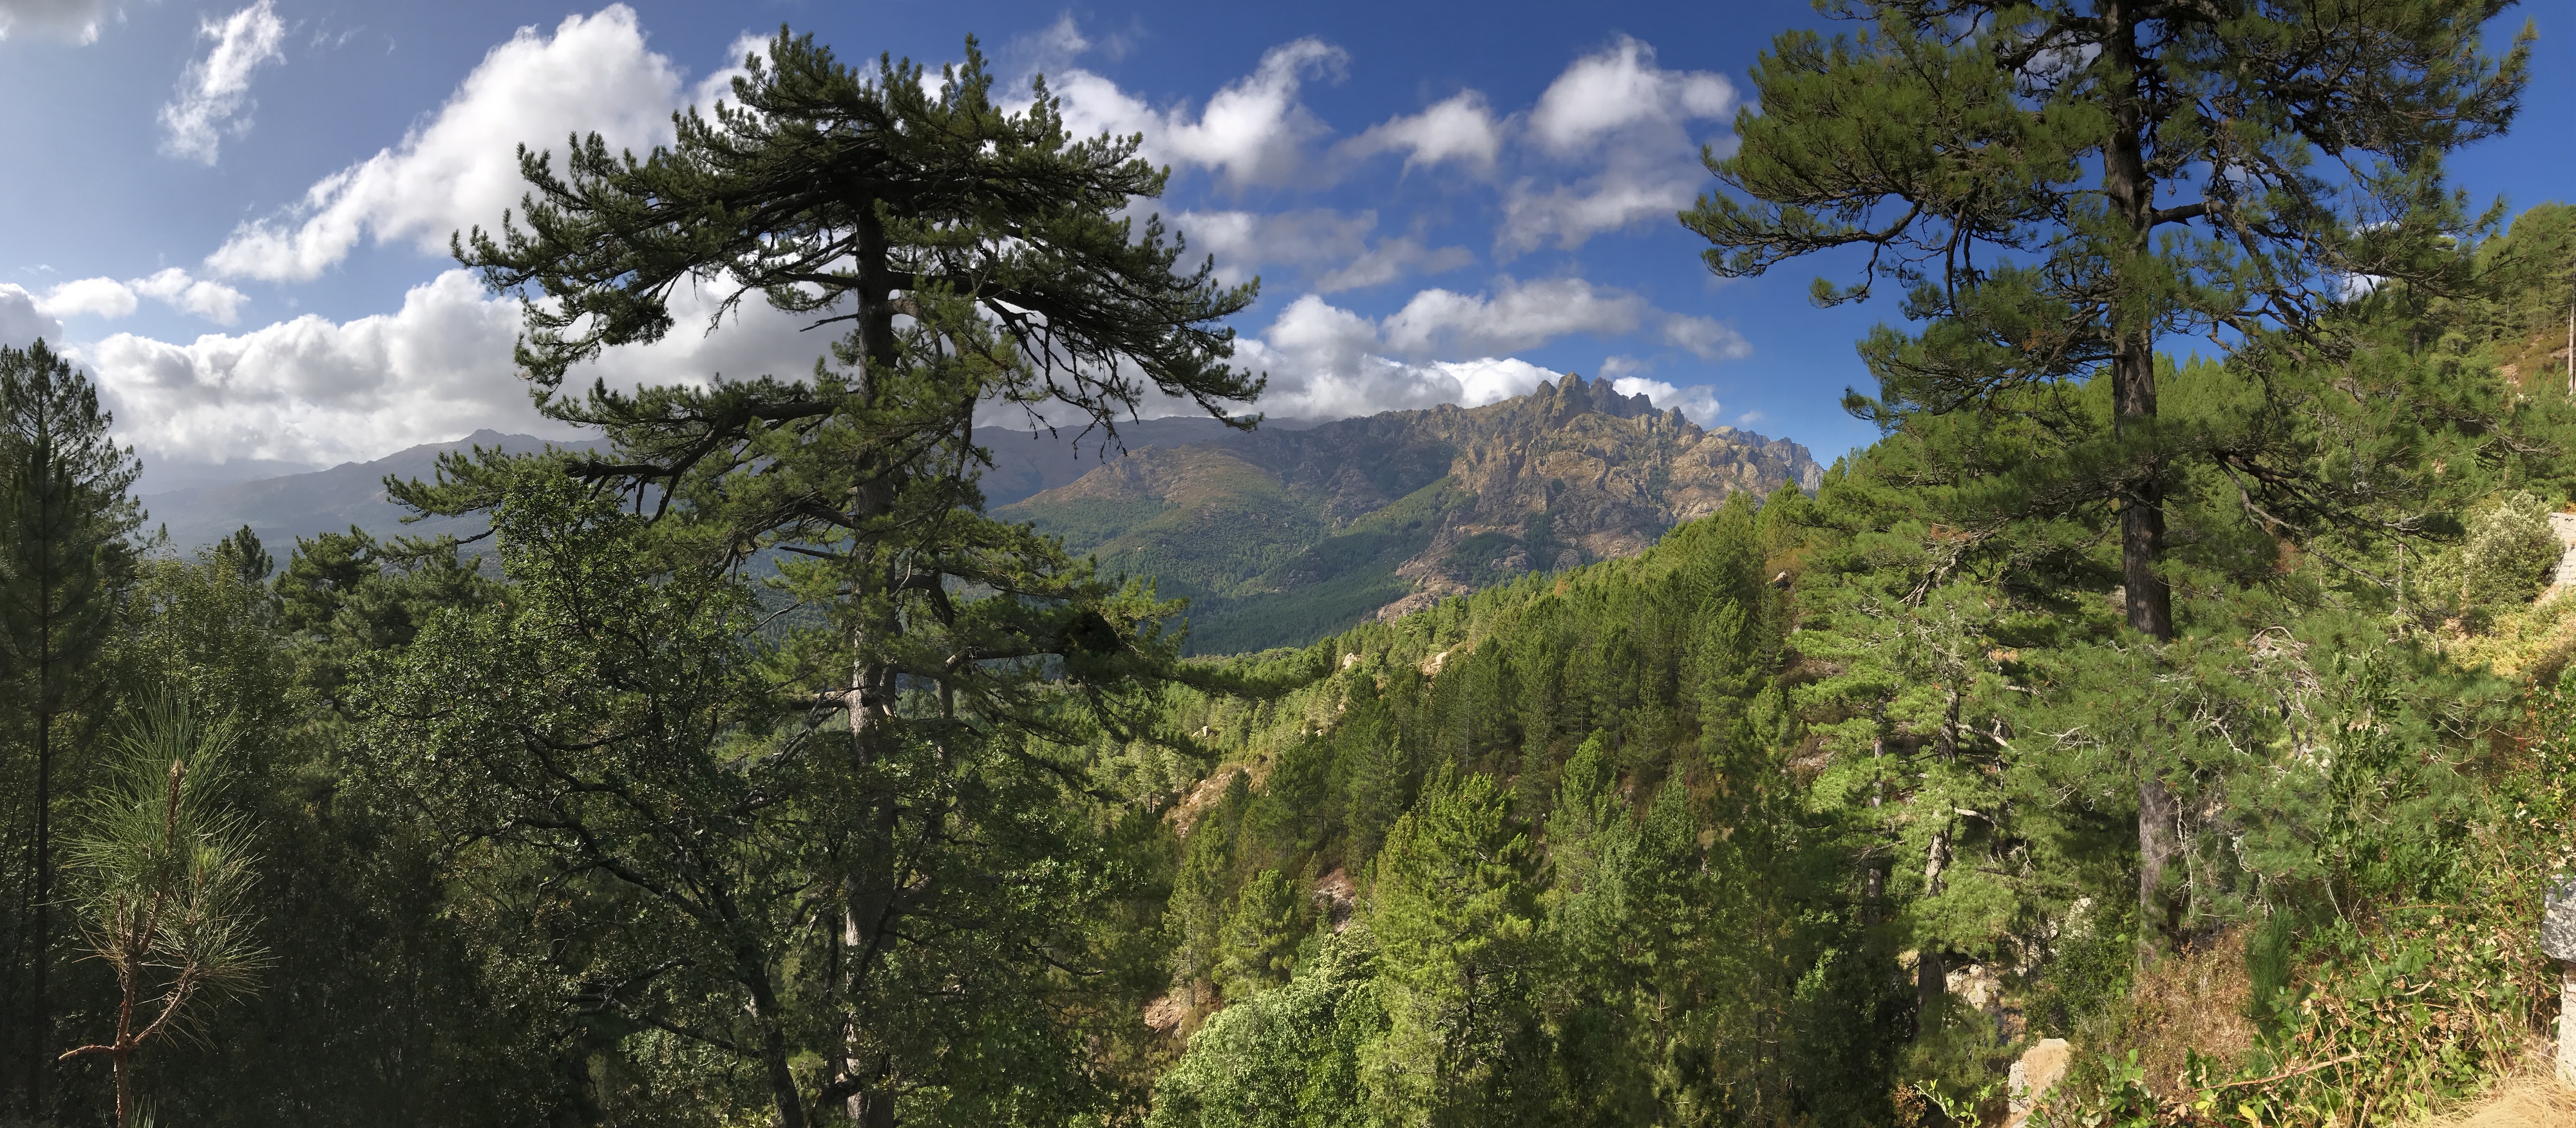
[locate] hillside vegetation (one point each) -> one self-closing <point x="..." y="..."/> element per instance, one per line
<point x="1656" y="841"/>
<point x="2204" y="722"/>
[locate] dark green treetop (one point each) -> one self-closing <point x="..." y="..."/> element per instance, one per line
<point x="861" y="199"/>
<point x="2062" y="185"/>
<point x="67" y="552"/>
<point x="66" y="521"/>
<point x="975" y="257"/>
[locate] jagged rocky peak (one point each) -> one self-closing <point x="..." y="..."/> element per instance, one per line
<point x="1573" y="396"/>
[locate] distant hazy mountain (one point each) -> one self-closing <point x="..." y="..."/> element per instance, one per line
<point x="1281" y="537"/>
<point x="283" y="508"/>
<point x="1278" y="536"/>
<point x="325" y="501"/>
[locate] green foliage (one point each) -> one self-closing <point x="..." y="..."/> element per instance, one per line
<point x="1455" y="915"/>
<point x="165" y="885"/>
<point x="166" y="870"/>
<point x="899" y="882"/>
<point x="1326" y="587"/>
<point x="640" y="816"/>
<point x="344" y="595"/>
<point x="1258" y="564"/>
<point x="1961" y="765"/>
<point x="595" y="750"/>
<point x="2104" y="1092"/>
<point x="67" y="525"/>
<point x="602" y="828"/>
<point x="2509" y="551"/>
<point x="1287" y="1058"/>
<point x="1198" y="915"/>
<point x="1664" y="950"/>
<point x="1258" y="948"/>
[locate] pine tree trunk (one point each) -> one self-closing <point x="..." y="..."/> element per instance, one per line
<point x="39" y="1018"/>
<point x="46" y="583"/>
<point x="872" y="684"/>
<point x="124" y="1088"/>
<point x="2133" y="392"/>
<point x="1931" y="963"/>
<point x="773" y="1044"/>
<point x="2157" y="809"/>
<point x="2142" y="512"/>
<point x="2133" y="364"/>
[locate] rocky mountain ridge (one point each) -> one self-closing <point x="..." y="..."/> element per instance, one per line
<point x="1280" y="535"/>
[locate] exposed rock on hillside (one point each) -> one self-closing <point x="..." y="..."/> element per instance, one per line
<point x="1281" y="536"/>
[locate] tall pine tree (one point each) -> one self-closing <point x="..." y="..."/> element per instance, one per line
<point x="978" y="258"/>
<point x="2062" y="185"/>
<point x="66" y="549"/>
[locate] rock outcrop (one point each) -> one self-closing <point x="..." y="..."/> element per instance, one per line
<point x="1386" y="514"/>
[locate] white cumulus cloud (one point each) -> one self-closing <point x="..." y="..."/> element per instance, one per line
<point x="213" y="301"/>
<point x="22" y="320"/>
<point x="73" y="20"/>
<point x="1608" y="145"/>
<point x="1054" y="49"/>
<point x="458" y="170"/>
<point x="1254" y="131"/>
<point x="1335" y="250"/>
<point x="90" y="297"/>
<point x="1518" y="315"/>
<point x="108" y="299"/>
<point x="316" y="391"/>
<point x="214" y="94"/>
<point x="1326" y="362"/>
<point x="1697" y="403"/>
<point x="1619" y="87"/>
<point x="1705" y="338"/>
<point x="1461" y="128"/>
<point x="1617" y="111"/>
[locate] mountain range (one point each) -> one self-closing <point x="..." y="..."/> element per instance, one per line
<point x="1278" y="536"/>
<point x="1282" y="536"/>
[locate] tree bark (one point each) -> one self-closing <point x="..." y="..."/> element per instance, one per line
<point x="2133" y="364"/>
<point x="872" y="684"/>
<point x="1931" y="963"/>
<point x="2133" y="392"/>
<point x="40" y="1016"/>
<point x="773" y="1044"/>
<point x="2157" y="809"/>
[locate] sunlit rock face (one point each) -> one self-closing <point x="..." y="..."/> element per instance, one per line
<point x="1282" y="535"/>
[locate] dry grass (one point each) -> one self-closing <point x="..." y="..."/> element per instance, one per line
<point x="2529" y="1098"/>
<point x="2193" y="1000"/>
<point x="2535" y="642"/>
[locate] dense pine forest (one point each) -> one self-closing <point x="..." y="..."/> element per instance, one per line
<point x="2181" y="684"/>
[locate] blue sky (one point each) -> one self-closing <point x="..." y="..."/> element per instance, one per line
<point x="236" y="215"/>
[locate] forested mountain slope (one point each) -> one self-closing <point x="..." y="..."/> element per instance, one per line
<point x="1279" y="536"/>
<point x="1563" y="805"/>
<point x="1653" y="841"/>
